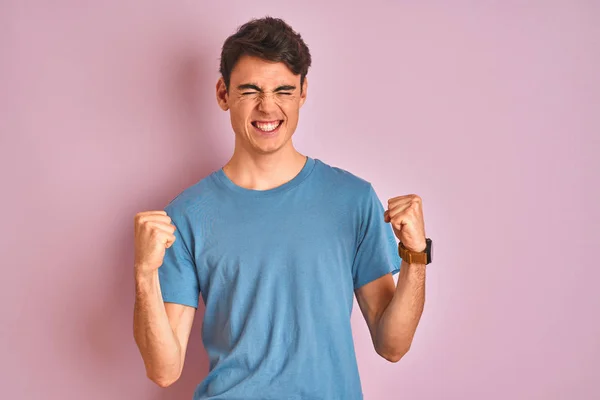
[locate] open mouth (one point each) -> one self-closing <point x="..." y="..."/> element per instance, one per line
<point x="267" y="126"/>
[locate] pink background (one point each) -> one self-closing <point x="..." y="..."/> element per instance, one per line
<point x="488" y="110"/>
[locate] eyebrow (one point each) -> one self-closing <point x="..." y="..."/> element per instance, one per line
<point x="252" y="86"/>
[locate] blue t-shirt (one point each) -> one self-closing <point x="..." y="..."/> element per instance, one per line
<point x="277" y="270"/>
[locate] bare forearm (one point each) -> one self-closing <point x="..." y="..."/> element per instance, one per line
<point x="153" y="334"/>
<point x="398" y="323"/>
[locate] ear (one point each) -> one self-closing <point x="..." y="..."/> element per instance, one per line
<point x="222" y="95"/>
<point x="304" y="90"/>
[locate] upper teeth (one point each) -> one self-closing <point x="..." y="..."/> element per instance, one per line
<point x="267" y="126"/>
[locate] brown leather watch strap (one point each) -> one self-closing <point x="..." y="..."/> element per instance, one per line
<point x="412" y="257"/>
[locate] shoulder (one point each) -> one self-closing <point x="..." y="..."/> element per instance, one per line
<point x="191" y="198"/>
<point x="344" y="181"/>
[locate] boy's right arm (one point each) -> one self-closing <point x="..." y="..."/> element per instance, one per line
<point x="161" y="330"/>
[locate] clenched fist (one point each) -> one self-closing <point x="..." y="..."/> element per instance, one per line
<point x="153" y="235"/>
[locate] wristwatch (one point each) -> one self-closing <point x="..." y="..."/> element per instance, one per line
<point x="414" y="257"/>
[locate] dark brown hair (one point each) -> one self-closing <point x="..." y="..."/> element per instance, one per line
<point x="269" y="38"/>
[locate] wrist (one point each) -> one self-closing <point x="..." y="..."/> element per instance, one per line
<point x="419" y="254"/>
<point x="143" y="276"/>
<point x="418" y="249"/>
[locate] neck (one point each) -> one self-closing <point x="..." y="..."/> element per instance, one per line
<point x="264" y="171"/>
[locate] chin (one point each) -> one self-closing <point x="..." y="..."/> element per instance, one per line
<point x="269" y="149"/>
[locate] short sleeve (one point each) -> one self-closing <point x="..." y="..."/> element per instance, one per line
<point x="178" y="276"/>
<point x="377" y="249"/>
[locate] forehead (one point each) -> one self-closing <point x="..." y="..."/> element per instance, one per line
<point x="263" y="73"/>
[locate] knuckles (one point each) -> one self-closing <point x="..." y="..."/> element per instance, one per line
<point x="413" y="198"/>
<point x="142" y="219"/>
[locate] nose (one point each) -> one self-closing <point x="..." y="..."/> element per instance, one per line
<point x="266" y="103"/>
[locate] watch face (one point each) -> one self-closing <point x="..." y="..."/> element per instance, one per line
<point x="430" y="247"/>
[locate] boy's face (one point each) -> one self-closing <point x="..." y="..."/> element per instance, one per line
<point x="264" y="103"/>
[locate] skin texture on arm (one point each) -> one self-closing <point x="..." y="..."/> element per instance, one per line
<point x="373" y="298"/>
<point x="161" y="331"/>
<point x="393" y="312"/>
